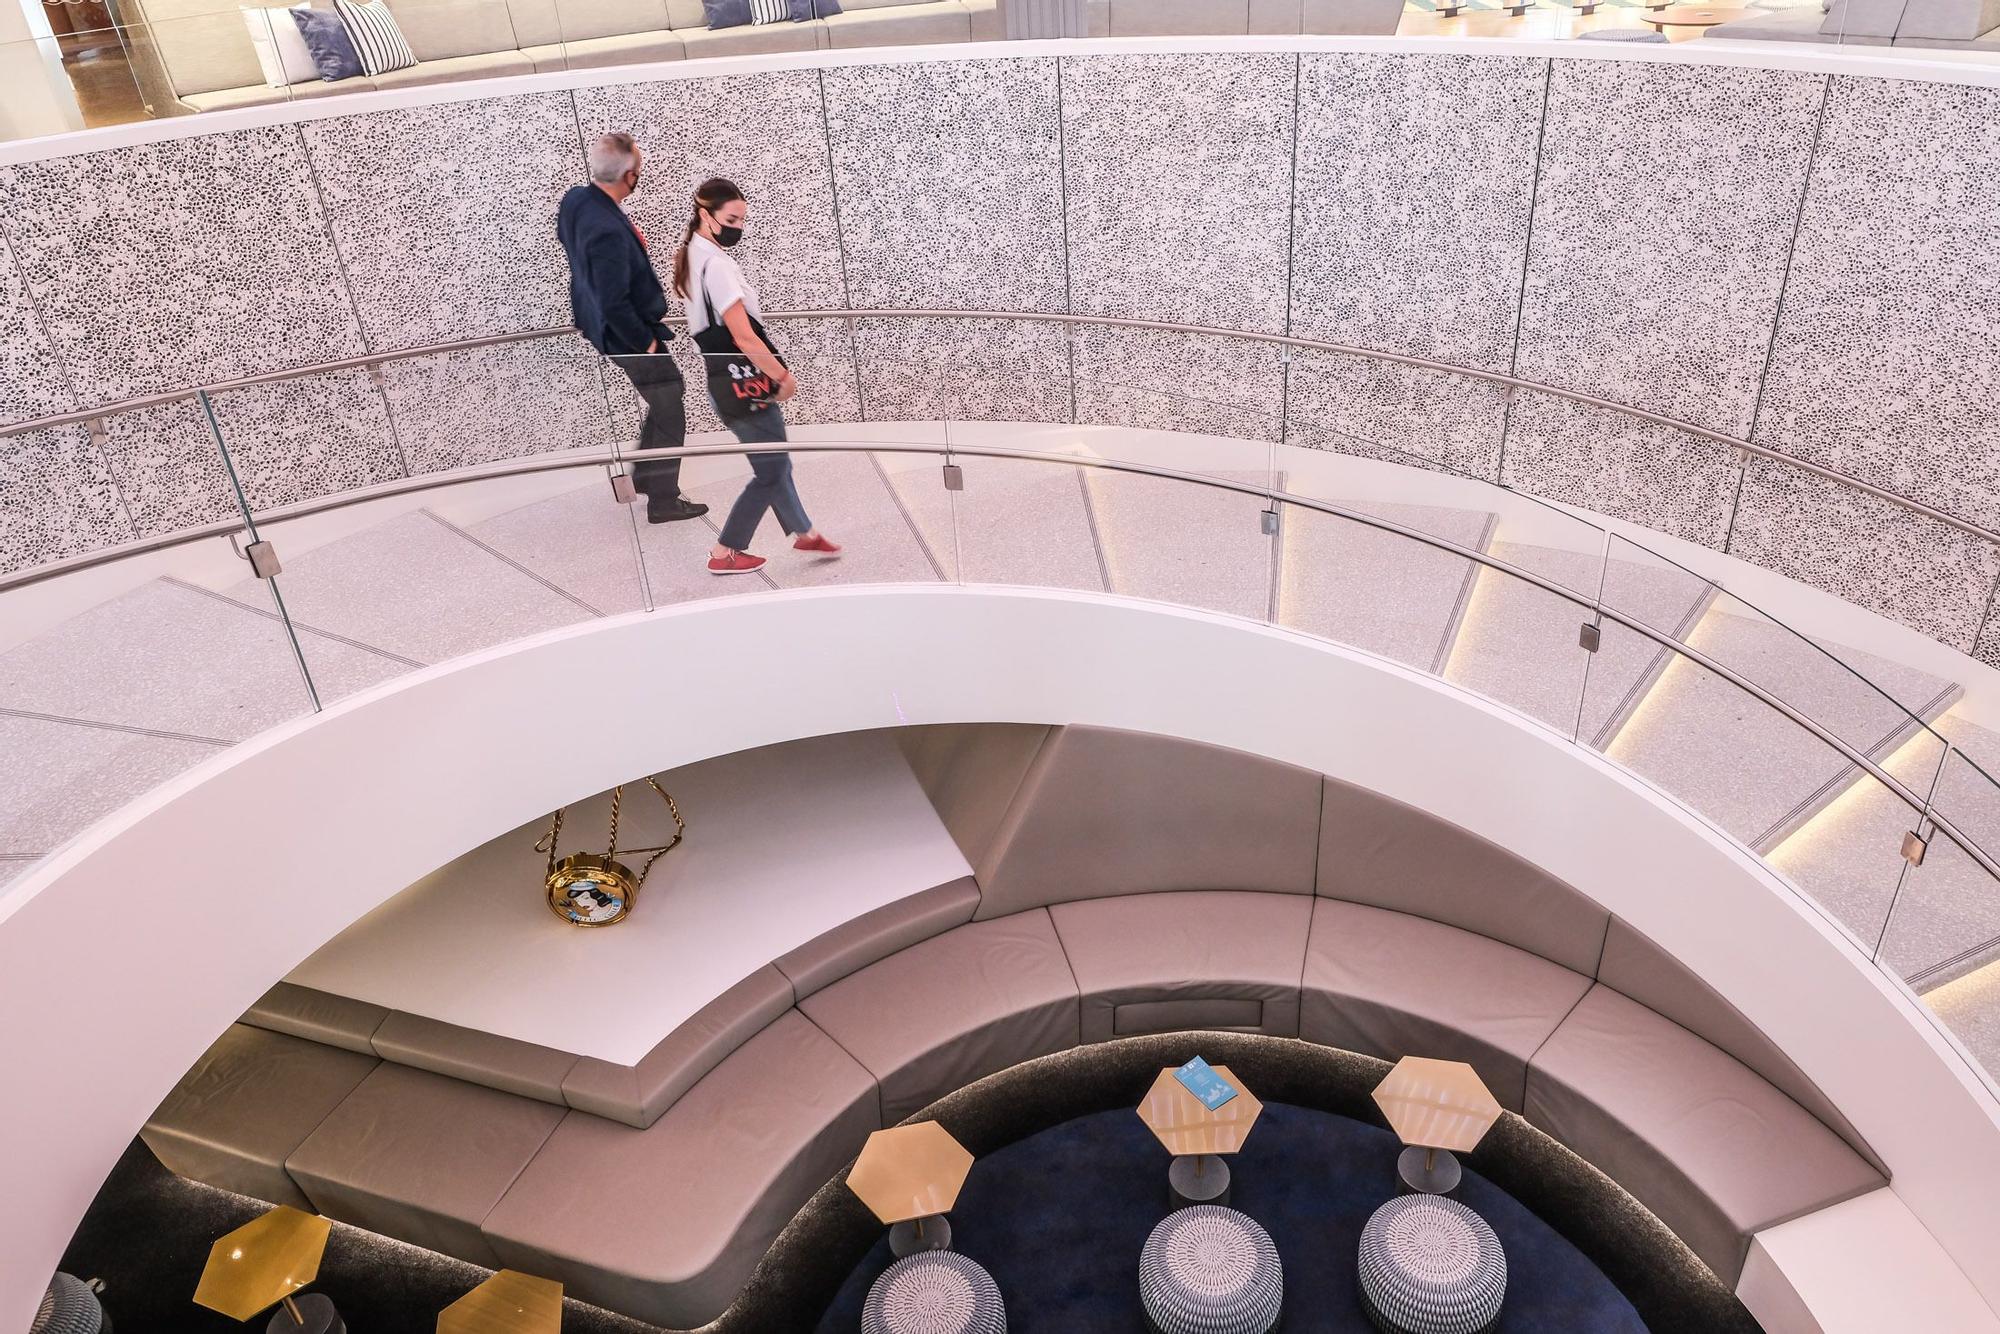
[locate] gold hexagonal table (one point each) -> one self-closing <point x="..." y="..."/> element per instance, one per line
<point x="909" y="1177"/>
<point x="1197" y="1136"/>
<point x="1438" y="1109"/>
<point x="508" y="1303"/>
<point x="264" y="1262"/>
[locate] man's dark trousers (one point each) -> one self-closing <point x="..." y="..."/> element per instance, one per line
<point x="659" y="383"/>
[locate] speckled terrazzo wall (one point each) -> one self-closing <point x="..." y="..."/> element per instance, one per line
<point x="1799" y="258"/>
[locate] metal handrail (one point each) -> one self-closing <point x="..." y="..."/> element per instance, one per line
<point x="946" y="450"/>
<point x="1509" y="382"/>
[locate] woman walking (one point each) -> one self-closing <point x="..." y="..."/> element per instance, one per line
<point x="747" y="380"/>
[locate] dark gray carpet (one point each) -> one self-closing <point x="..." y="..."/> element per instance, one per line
<point x="1672" y="1291"/>
<point x="1059" y="1219"/>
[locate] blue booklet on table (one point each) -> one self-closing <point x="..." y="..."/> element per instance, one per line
<point x="1200" y="1079"/>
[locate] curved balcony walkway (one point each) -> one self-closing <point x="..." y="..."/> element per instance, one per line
<point x="105" y="704"/>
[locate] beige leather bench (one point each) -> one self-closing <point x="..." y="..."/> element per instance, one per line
<point x="421" y="1157"/>
<point x="251" y="1099"/>
<point x="1127" y="884"/>
<point x="953" y="1009"/>
<point x="1161" y="963"/>
<point x="667" y="1223"/>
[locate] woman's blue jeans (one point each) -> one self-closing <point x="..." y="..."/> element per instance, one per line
<point x="770" y="486"/>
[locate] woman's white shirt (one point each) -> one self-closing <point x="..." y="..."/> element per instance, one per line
<point x="713" y="274"/>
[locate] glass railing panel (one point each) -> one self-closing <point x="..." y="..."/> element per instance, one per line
<point x="1848" y="854"/>
<point x="1370" y="586"/>
<point x="1020" y="521"/>
<point x="1943" y="938"/>
<point x="116" y="678"/>
<point x="381" y="587"/>
<point x="1719" y="749"/>
<point x="1947" y="920"/>
<point x="865" y="503"/>
<point x="552" y="395"/>
<point x="1189" y="543"/>
<point x="1859" y="698"/>
<point x="1520" y="643"/>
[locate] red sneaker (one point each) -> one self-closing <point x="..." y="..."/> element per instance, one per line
<point x="736" y="562"/>
<point x="817" y="543"/>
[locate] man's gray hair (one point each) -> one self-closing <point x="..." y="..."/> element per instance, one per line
<point x="614" y="154"/>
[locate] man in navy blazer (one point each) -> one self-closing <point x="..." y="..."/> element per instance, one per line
<point x="616" y="301"/>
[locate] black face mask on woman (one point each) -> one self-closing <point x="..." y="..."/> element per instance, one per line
<point x="727" y="236"/>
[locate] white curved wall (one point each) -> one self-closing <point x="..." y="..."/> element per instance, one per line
<point x="149" y="935"/>
<point x="1790" y="245"/>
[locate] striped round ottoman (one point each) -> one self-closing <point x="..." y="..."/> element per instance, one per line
<point x="1210" y="1270"/>
<point x="1430" y="1265"/>
<point x="934" y="1292"/>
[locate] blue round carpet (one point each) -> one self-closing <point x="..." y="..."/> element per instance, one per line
<point x="1059" y="1219"/>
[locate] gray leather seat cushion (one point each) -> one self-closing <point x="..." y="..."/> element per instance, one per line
<point x="1376" y="850"/>
<point x="1391" y="985"/>
<point x="1696" y="1136"/>
<point x="319" y="1016"/>
<point x="1214" y="959"/>
<point x="251" y="1099"/>
<point x="503" y="1063"/>
<point x="667" y="1223"/>
<point x="421" y="1157"/>
<point x="953" y="1009"/>
<point x="1106" y="812"/>
<point x="1634" y="966"/>
<point x="873" y="936"/>
<point x="637" y="1094"/>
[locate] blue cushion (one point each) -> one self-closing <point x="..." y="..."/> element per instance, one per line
<point x="806" y="9"/>
<point x="326" y="37"/>
<point x="725" y="13"/>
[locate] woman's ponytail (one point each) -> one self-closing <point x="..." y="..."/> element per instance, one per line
<point x="713" y="194"/>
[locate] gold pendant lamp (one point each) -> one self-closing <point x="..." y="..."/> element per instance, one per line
<point x="585" y="889"/>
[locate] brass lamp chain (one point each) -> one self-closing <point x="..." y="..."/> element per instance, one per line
<point x="555" y="832"/>
<point x="673" y="808"/>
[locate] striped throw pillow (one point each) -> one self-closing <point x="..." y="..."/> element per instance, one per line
<point x="770" y="11"/>
<point x="376" y="37"/>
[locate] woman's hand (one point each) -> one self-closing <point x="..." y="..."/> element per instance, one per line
<point x="788" y="386"/>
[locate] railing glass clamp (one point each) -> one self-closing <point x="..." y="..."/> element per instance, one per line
<point x="1590" y="636"/>
<point x="1268" y="522"/>
<point x="954" y="477"/>
<point x="1914" y="847"/>
<point x="263" y="558"/>
<point x="622" y="489"/>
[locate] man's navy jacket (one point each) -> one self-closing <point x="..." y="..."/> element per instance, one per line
<point x="614" y="295"/>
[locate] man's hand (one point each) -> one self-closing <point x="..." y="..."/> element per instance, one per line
<point x="652" y="347"/>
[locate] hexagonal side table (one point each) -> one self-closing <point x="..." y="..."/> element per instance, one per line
<point x="1198" y="1137"/>
<point x="909" y="1177"/>
<point x="1437" y="1108"/>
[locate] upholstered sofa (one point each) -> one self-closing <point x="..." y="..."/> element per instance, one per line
<point x="196" y="55"/>
<point x="1948" y="25"/>
<point x="1124" y="884"/>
